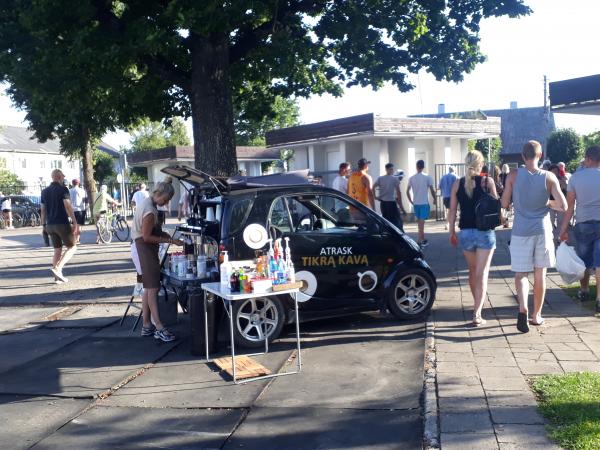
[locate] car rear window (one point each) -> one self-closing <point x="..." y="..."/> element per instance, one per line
<point x="239" y="213"/>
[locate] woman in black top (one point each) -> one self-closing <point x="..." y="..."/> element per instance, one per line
<point x="477" y="246"/>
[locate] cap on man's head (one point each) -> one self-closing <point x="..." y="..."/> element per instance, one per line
<point x="75" y="181"/>
<point x="362" y="162"/>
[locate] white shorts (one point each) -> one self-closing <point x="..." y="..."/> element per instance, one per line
<point x="135" y="258"/>
<point x="529" y="252"/>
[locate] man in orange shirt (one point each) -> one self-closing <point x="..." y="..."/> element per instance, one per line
<point x="360" y="184"/>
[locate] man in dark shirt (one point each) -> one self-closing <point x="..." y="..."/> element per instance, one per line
<point x="56" y="211"/>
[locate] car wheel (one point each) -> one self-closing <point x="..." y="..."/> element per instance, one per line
<point x="257" y="318"/>
<point x="412" y="293"/>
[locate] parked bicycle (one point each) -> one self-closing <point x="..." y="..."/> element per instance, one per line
<point x="112" y="224"/>
<point x="28" y="217"/>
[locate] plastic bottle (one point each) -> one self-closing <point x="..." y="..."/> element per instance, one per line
<point x="292" y="274"/>
<point x="225" y="271"/>
<point x="201" y="266"/>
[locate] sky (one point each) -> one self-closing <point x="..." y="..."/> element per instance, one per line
<point x="559" y="40"/>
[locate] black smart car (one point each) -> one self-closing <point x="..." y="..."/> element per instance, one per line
<point x="348" y="257"/>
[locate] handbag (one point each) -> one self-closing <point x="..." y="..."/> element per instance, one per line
<point x="487" y="211"/>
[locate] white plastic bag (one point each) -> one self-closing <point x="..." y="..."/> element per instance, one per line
<point x="569" y="265"/>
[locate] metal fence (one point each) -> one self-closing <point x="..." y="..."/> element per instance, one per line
<point x="30" y="195"/>
<point x="440" y="171"/>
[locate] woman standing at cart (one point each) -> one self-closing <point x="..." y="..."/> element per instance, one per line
<point x="477" y="246"/>
<point x="147" y="234"/>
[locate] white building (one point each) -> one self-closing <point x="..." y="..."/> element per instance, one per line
<point x="322" y="146"/>
<point x="33" y="161"/>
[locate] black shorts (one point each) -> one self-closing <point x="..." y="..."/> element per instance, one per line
<point x="61" y="234"/>
<point x="446" y="201"/>
<point x="80" y="217"/>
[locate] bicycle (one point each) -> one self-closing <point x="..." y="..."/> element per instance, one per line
<point x="112" y="224"/>
<point x="30" y="217"/>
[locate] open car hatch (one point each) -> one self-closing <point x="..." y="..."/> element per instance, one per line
<point x="195" y="177"/>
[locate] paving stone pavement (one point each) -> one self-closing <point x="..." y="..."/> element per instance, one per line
<point x="483" y="374"/>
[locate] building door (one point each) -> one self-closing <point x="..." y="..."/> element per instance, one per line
<point x="333" y="163"/>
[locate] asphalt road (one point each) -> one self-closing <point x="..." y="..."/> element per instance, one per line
<point x="72" y="378"/>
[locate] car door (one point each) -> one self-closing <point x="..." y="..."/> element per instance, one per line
<point x="337" y="251"/>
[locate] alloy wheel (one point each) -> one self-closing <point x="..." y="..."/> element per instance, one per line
<point x="412" y="294"/>
<point x="256" y="319"/>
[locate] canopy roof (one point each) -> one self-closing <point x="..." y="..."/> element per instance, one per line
<point x="576" y="96"/>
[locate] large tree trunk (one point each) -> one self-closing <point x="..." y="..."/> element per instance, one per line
<point x="88" y="173"/>
<point x="212" y="107"/>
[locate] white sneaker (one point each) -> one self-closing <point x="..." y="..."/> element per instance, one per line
<point x="58" y="274"/>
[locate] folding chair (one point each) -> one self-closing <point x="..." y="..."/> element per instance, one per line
<point x="138" y="290"/>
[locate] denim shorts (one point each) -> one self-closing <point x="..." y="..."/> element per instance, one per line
<point x="471" y="239"/>
<point x="422" y="211"/>
<point x="587" y="243"/>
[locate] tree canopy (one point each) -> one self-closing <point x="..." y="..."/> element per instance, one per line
<point x="121" y="58"/>
<point x="151" y="135"/>
<point x="104" y="170"/>
<point x="565" y="145"/>
<point x="250" y="130"/>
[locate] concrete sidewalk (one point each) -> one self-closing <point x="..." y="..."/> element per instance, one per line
<point x="72" y="378"/>
<point x="484" y="398"/>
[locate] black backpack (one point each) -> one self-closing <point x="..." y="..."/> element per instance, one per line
<point x="487" y="211"/>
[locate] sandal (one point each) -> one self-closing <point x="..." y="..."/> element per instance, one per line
<point x="522" y="324"/>
<point x="478" y="321"/>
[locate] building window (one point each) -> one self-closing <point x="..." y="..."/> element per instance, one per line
<point x="56" y="164"/>
<point x="71" y="164"/>
<point x="24" y="163"/>
<point x="43" y="164"/>
<point x="2" y="163"/>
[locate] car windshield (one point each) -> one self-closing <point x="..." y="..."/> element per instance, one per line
<point x="324" y="212"/>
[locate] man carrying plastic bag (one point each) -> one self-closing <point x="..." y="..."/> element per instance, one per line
<point x="570" y="266"/>
<point x="583" y="189"/>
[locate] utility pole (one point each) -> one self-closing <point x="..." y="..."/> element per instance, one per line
<point x="545" y="92"/>
<point x="546" y="110"/>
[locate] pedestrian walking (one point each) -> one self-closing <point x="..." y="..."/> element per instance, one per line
<point x="147" y="235"/>
<point x="183" y="205"/>
<point x="390" y="197"/>
<point x="139" y="195"/>
<point x="531" y="244"/>
<point x="556" y="217"/>
<point x="6" y="207"/>
<point x="583" y="191"/>
<point x="56" y="212"/>
<point x="340" y="182"/>
<point x="505" y="212"/>
<point x="420" y="184"/>
<point x="504" y="174"/>
<point x="563" y="171"/>
<point x="78" y="202"/>
<point x="477" y="245"/>
<point x="360" y="184"/>
<point x="445" y="186"/>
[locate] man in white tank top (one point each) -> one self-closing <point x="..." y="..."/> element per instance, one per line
<point x="531" y="241"/>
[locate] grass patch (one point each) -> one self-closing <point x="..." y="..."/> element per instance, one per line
<point x="571" y="403"/>
<point x="572" y="289"/>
